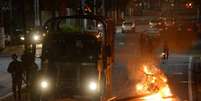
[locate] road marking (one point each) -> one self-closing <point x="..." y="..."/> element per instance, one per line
<point x="184" y="82"/>
<point x="121" y="43"/>
<point x="177" y="64"/>
<point x="179" y="56"/>
<point x="178" y="73"/>
<point x="190" y="80"/>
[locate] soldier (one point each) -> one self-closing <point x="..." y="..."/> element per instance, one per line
<point x="29" y="66"/>
<point x="16" y="71"/>
<point x="30" y="69"/>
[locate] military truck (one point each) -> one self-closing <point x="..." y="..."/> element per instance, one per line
<point x="76" y="61"/>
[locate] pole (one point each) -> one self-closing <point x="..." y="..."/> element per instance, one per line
<point x="103" y="8"/>
<point x="190" y="79"/>
<point x="94" y="7"/>
<point x="36" y="13"/>
<point x="36" y="21"/>
<point x="11" y="16"/>
<point x="1" y="20"/>
<point x="2" y="32"/>
<point x="198" y="13"/>
<point x="82" y="8"/>
<point x="24" y="25"/>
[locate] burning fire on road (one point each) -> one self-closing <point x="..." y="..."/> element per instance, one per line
<point x="154" y="84"/>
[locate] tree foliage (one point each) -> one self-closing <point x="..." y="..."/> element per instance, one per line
<point x="120" y="4"/>
<point x="109" y="4"/>
<point x="55" y="4"/>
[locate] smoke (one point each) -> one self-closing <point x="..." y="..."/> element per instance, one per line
<point x="179" y="41"/>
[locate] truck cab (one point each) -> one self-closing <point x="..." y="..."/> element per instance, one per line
<point x="76" y="58"/>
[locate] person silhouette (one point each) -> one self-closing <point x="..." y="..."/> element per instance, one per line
<point x="16" y="70"/>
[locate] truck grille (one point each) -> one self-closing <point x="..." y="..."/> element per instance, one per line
<point x="70" y="77"/>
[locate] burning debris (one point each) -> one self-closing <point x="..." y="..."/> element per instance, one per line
<point x="154" y="84"/>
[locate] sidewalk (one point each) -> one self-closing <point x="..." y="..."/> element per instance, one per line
<point x="8" y="51"/>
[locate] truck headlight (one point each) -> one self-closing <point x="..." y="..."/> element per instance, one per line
<point x="92" y="86"/>
<point x="99" y="25"/>
<point x="44" y="84"/>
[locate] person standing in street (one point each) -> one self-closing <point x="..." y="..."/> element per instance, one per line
<point x="30" y="67"/>
<point x="16" y="70"/>
<point x="31" y="71"/>
<point x="26" y="62"/>
<point x="166" y="50"/>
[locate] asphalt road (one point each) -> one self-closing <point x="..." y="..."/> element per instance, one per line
<point x="176" y="68"/>
<point x="183" y="72"/>
<point x="183" y="79"/>
<point x="180" y="66"/>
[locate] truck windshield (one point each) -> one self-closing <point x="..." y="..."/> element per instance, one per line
<point x="74" y="25"/>
<point x="73" y="39"/>
<point x="80" y="47"/>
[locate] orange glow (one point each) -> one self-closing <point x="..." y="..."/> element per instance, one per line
<point x="139" y="87"/>
<point x="154" y="83"/>
<point x="165" y="91"/>
<point x="154" y="97"/>
<point x="146" y="71"/>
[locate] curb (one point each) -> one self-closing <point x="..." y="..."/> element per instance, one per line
<point x="9" y="97"/>
<point x="6" y="97"/>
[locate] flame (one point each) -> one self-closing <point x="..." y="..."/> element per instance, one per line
<point x="154" y="83"/>
<point x="146" y="71"/>
<point x="154" y="97"/>
<point x="139" y="87"/>
<point x="165" y="91"/>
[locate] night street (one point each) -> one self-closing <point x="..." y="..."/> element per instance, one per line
<point x="100" y="50"/>
<point x="127" y="54"/>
